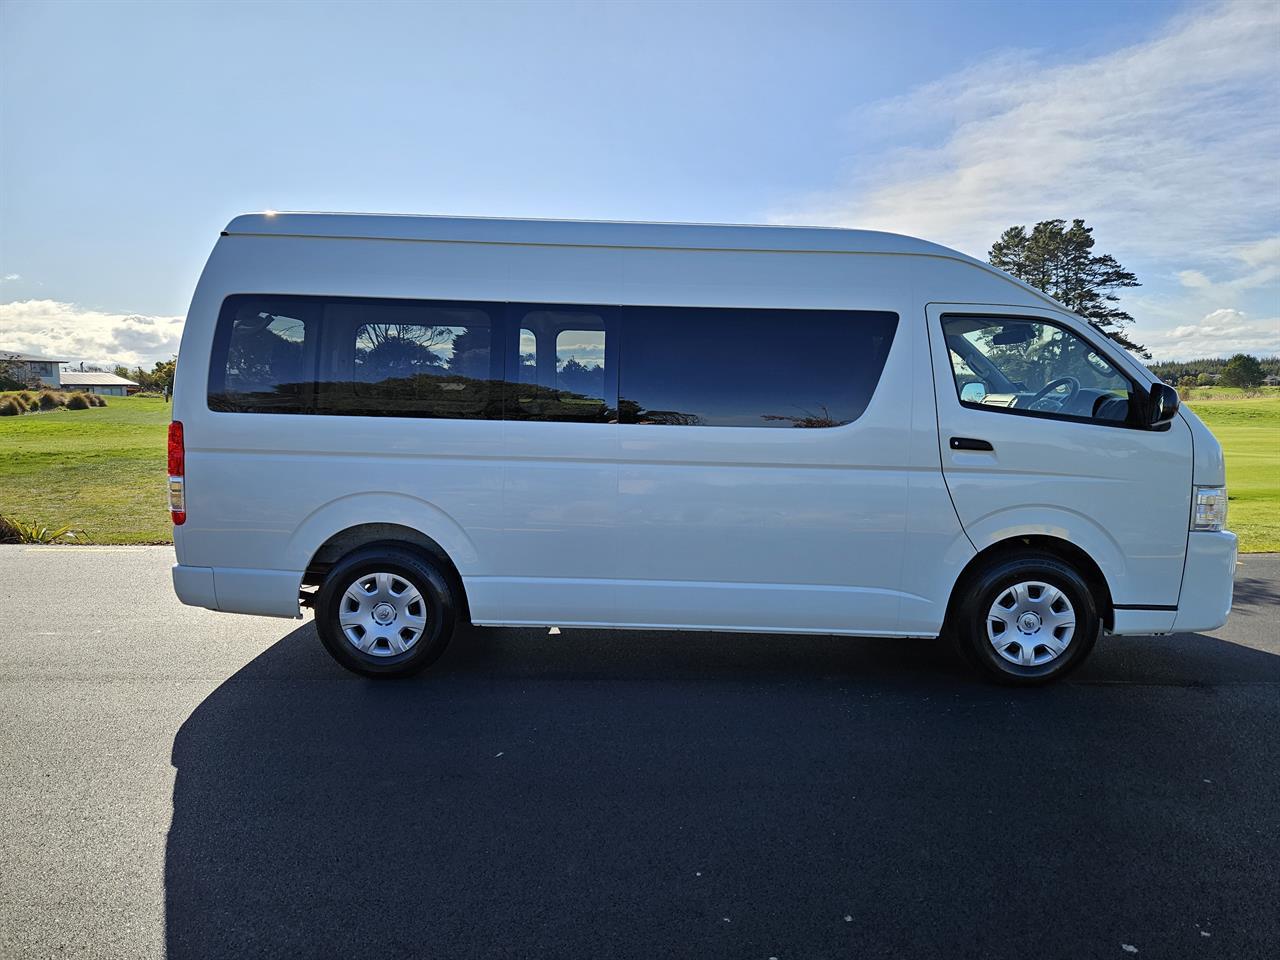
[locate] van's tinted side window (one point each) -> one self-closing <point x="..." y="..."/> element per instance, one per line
<point x="264" y="356"/>
<point x="564" y="362"/>
<point x="353" y="357"/>
<point x="407" y="359"/>
<point x="687" y="366"/>
<point x="684" y="366"/>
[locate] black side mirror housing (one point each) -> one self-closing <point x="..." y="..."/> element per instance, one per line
<point x="1162" y="406"/>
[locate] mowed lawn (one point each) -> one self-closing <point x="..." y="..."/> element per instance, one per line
<point x="102" y="470"/>
<point x="1249" y="431"/>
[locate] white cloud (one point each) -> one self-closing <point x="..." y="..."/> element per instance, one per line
<point x="10" y="277"/>
<point x="1264" y="253"/>
<point x="1168" y="147"/>
<point x="1224" y="331"/>
<point x="1239" y="271"/>
<point x="66" y="330"/>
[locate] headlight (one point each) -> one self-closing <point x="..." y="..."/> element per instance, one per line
<point x="1209" y="512"/>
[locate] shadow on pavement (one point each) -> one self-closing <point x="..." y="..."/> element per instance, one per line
<point x="726" y="796"/>
<point x="1255" y="592"/>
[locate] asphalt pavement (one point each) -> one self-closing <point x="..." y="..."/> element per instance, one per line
<point x="184" y="783"/>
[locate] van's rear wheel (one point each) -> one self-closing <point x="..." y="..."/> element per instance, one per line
<point x="1027" y="619"/>
<point x="385" y="612"/>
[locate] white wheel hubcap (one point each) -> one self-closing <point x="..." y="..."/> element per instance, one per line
<point x="1031" y="623"/>
<point x="382" y="614"/>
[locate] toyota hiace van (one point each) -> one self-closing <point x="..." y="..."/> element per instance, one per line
<point x="410" y="423"/>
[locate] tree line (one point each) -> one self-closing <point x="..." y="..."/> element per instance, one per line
<point x="1241" y="370"/>
<point x="159" y="379"/>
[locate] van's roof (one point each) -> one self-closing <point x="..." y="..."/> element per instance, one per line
<point x="604" y="233"/>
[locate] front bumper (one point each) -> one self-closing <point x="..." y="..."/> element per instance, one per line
<point x="1208" y="578"/>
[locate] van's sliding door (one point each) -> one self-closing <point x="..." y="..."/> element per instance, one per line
<point x="560" y="470"/>
<point x="762" y="483"/>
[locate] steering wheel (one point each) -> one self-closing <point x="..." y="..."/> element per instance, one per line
<point x="1053" y="385"/>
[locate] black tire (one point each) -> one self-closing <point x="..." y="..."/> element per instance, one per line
<point x="995" y="581"/>
<point x="403" y="565"/>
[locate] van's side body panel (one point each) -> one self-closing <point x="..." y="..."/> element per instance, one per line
<point x="852" y="529"/>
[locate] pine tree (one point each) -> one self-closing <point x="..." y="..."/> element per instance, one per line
<point x="1060" y="261"/>
<point x="1242" y="370"/>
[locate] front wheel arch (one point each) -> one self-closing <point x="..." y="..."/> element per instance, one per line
<point x="1063" y="550"/>
<point x="1047" y="618"/>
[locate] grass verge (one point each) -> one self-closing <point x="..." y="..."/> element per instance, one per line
<point x="1249" y="431"/>
<point x="101" y="470"/>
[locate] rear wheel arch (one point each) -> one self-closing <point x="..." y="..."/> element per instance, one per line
<point x="373" y="535"/>
<point x="386" y="610"/>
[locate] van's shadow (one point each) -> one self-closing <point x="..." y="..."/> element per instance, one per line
<point x="694" y="796"/>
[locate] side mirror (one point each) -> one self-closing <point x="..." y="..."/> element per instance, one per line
<point x="973" y="392"/>
<point x="1162" y="406"/>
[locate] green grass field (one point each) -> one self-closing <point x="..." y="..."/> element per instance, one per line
<point x="102" y="470"/>
<point x="1249" y="431"/>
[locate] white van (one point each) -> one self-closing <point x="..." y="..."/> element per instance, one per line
<point x="410" y="422"/>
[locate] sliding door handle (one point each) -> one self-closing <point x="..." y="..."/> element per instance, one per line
<point x="968" y="443"/>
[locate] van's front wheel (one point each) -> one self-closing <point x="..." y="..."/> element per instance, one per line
<point x="1027" y="619"/>
<point x="385" y="612"/>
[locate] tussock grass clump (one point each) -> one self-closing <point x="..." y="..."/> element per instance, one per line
<point x="11" y="407"/>
<point x="49" y="400"/>
<point x="96" y="400"/>
<point x="27" y="398"/>
<point x="78" y="401"/>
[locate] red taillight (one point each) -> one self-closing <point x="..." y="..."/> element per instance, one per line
<point x="177" y="474"/>
<point x="177" y="454"/>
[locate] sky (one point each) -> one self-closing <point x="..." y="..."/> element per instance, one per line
<point x="131" y="133"/>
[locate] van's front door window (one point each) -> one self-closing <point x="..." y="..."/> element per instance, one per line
<point x="1034" y="367"/>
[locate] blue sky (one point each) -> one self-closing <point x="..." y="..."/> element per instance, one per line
<point x="131" y="133"/>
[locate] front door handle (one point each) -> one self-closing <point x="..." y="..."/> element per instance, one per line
<point x="968" y="443"/>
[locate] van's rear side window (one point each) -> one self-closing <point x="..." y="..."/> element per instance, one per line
<point x="407" y="358"/>
<point x="264" y="355"/>
<point x="355" y="357"/>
